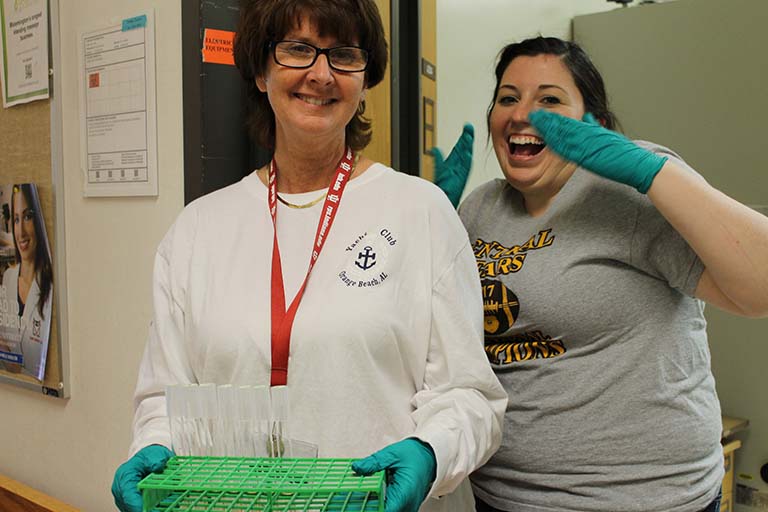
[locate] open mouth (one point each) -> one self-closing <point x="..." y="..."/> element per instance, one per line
<point x="524" y="146"/>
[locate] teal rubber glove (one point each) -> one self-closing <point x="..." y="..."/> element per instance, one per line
<point x="150" y="459"/>
<point x="602" y="151"/>
<point x="411" y="468"/>
<point x="352" y="502"/>
<point x="451" y="174"/>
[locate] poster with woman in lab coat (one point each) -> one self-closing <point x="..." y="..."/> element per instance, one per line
<point x="26" y="292"/>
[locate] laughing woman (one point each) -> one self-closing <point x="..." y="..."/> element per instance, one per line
<point x="596" y="255"/>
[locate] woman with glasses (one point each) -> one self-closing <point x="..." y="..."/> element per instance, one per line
<point x="597" y="255"/>
<point x="353" y="284"/>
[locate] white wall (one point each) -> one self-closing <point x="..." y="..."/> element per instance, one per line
<point x="469" y="36"/>
<point x="70" y="449"/>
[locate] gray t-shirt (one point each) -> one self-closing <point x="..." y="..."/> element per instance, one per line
<point x="592" y="329"/>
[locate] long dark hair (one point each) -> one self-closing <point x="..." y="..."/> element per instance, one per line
<point x="43" y="267"/>
<point x="586" y="76"/>
<point x="264" y="21"/>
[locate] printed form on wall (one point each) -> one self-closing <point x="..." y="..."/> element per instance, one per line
<point x="118" y="139"/>
<point x="24" y="51"/>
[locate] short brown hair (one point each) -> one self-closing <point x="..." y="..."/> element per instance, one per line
<point x="264" y="21"/>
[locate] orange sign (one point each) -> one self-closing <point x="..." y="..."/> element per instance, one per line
<point x="217" y="46"/>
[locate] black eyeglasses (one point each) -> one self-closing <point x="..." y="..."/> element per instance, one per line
<point x="297" y="54"/>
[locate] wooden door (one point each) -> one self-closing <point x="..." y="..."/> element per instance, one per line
<point x="428" y="86"/>
<point x="379" y="103"/>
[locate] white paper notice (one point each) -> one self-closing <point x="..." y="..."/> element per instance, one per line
<point x="24" y="51"/>
<point x="117" y="109"/>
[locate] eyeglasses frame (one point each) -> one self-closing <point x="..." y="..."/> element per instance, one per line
<point x="318" y="53"/>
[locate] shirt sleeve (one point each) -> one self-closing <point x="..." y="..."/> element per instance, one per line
<point x="165" y="360"/>
<point x="460" y="409"/>
<point x="657" y="248"/>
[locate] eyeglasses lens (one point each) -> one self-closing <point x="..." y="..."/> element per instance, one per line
<point x="294" y="54"/>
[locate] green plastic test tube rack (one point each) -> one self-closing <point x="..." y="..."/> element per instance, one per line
<point x="232" y="484"/>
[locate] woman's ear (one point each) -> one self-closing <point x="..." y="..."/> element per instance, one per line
<point x="590" y="118"/>
<point x="261" y="83"/>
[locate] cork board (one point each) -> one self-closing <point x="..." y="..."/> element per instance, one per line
<point x="25" y="157"/>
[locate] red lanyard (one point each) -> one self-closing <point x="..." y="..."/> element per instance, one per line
<point x="282" y="320"/>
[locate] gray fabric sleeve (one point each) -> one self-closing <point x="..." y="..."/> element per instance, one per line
<point x="657" y="248"/>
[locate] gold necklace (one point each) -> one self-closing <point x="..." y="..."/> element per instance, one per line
<point x="315" y="201"/>
<point x="302" y="206"/>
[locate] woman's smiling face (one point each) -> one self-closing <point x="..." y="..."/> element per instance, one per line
<point x="314" y="103"/>
<point x="528" y="84"/>
<point x="24" y="227"/>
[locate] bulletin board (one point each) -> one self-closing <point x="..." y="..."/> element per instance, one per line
<point x="29" y="153"/>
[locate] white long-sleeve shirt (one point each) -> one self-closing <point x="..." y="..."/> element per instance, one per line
<point x="388" y="339"/>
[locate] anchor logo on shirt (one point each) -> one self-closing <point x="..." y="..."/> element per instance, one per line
<point x="366" y="255"/>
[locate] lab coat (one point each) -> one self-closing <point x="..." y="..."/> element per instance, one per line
<point x="33" y="329"/>
<point x="388" y="339"/>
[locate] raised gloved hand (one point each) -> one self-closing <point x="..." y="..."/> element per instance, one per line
<point x="598" y="149"/>
<point x="411" y="468"/>
<point x="451" y="174"/>
<point x="149" y="459"/>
